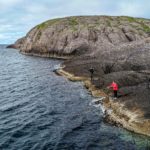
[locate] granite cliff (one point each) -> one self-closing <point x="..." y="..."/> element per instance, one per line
<point x="79" y="35"/>
<point x="118" y="48"/>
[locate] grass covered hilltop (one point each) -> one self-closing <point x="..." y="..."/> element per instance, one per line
<point x="117" y="47"/>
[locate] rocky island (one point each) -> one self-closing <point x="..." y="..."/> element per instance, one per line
<point x="118" y="48"/>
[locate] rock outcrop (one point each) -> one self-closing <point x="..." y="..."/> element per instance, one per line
<point x="80" y="35"/>
<point x="118" y="48"/>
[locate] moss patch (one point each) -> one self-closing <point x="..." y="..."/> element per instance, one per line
<point x="145" y="27"/>
<point x="47" y="23"/>
<point x="131" y="19"/>
<point x="73" y="22"/>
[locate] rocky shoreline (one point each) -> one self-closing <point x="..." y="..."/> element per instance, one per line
<point x="115" y="112"/>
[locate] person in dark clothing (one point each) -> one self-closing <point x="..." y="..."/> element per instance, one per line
<point x="91" y="70"/>
<point x="148" y="83"/>
<point x="115" y="93"/>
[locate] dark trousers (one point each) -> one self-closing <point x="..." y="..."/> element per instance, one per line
<point x="115" y="94"/>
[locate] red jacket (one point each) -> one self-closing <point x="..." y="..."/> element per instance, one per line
<point x="114" y="86"/>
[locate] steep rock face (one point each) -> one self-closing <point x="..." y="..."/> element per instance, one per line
<point x="78" y="35"/>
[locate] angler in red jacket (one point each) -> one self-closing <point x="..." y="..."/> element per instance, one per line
<point x="114" y="86"/>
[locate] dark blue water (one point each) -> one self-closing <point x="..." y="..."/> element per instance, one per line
<point x="42" y="111"/>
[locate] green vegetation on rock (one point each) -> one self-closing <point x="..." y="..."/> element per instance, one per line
<point x="47" y="23"/>
<point x="131" y="19"/>
<point x="73" y="21"/>
<point x="41" y="26"/>
<point x="145" y="27"/>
